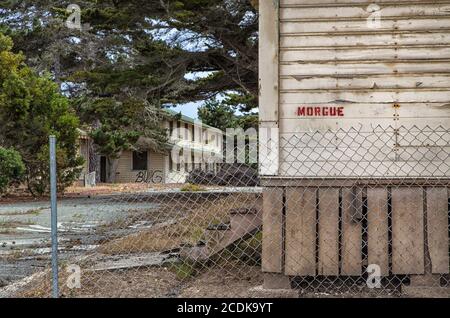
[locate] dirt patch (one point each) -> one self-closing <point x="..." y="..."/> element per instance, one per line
<point x="154" y="283"/>
<point x="225" y="282"/>
<point x="143" y="283"/>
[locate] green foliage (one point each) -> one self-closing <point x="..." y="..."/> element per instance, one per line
<point x="217" y="114"/>
<point x="121" y="53"/>
<point x="222" y="115"/>
<point x="133" y="62"/>
<point x="121" y="102"/>
<point x="12" y="168"/>
<point x="184" y="270"/>
<point x="243" y="101"/>
<point x="31" y="109"/>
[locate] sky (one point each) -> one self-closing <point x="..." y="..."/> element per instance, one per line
<point x="189" y="109"/>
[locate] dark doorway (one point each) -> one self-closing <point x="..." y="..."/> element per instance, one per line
<point x="102" y="169"/>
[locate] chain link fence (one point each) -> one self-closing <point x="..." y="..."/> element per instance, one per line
<point x="351" y="214"/>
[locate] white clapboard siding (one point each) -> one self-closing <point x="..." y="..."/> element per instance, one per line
<point x="393" y="83"/>
<point x="361" y="26"/>
<point x="412" y="137"/>
<point x="367" y="39"/>
<point x="361" y="12"/>
<point x="349" y="154"/>
<point x="334" y="140"/>
<point x="355" y="111"/>
<point x="372" y="169"/>
<point x="418" y="124"/>
<point x="340" y="68"/>
<point x="330" y="3"/>
<point x="371" y="111"/>
<point x="375" y="82"/>
<point x="305" y="125"/>
<point x="425" y="96"/>
<point x="358" y="54"/>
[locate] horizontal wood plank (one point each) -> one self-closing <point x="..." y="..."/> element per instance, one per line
<point x="430" y="39"/>
<point x="334" y="55"/>
<point x="417" y="24"/>
<point x="364" y="169"/>
<point x="322" y="3"/>
<point x="346" y="97"/>
<point x="362" y="12"/>
<point x="341" y="69"/>
<point x="374" y="110"/>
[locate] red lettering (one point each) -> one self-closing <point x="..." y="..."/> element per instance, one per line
<point x="301" y="111"/>
<point x="320" y="111"/>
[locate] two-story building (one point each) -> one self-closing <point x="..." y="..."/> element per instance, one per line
<point x="192" y="145"/>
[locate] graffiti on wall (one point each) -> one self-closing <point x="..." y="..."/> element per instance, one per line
<point x="155" y="177"/>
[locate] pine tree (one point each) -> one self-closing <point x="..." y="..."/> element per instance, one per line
<point x="31" y="109"/>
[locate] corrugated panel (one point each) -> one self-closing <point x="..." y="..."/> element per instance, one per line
<point x="397" y="75"/>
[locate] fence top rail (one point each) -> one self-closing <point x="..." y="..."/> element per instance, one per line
<point x="350" y="182"/>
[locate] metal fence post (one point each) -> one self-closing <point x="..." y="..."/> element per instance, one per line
<point x="54" y="214"/>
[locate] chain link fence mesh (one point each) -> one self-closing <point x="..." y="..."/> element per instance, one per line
<point x="357" y="214"/>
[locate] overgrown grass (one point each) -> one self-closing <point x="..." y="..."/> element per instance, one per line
<point x="192" y="219"/>
<point x="192" y="188"/>
<point x="193" y="216"/>
<point x="184" y="270"/>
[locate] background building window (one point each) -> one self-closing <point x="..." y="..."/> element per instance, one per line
<point x="170" y="129"/>
<point x="180" y="158"/>
<point x="140" y="160"/>
<point x="179" y="134"/>
<point x="205" y="136"/>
